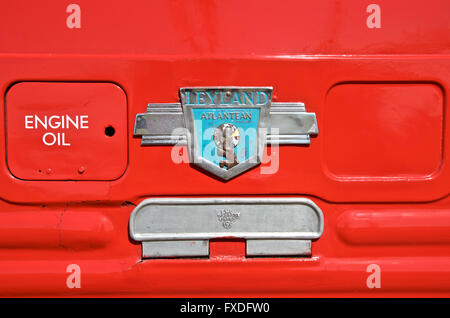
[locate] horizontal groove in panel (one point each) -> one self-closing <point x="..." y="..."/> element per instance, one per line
<point x="388" y="227"/>
<point x="55" y="229"/>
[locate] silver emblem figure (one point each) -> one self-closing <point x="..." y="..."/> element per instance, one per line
<point x="226" y="138"/>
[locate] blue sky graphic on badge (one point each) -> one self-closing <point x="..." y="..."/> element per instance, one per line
<point x="226" y="133"/>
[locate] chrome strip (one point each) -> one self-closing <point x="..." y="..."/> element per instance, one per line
<point x="164" y="122"/>
<point x="278" y="248"/>
<point x="181" y="219"/>
<point x="159" y="249"/>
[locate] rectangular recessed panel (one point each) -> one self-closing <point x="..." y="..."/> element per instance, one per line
<point x="383" y="130"/>
<point x="66" y="131"/>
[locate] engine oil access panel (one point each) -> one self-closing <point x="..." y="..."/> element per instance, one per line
<point x="66" y="131"/>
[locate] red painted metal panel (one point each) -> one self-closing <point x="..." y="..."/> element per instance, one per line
<point x="66" y="131"/>
<point x="390" y="141"/>
<point x="391" y="210"/>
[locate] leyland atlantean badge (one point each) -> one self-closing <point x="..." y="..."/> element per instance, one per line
<point x="225" y="128"/>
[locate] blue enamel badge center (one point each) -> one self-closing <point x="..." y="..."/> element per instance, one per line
<point x="225" y="127"/>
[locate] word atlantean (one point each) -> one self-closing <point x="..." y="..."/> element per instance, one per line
<point x="56" y="137"/>
<point x="226" y="115"/>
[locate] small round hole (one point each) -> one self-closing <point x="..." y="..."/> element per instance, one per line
<point x="110" y="131"/>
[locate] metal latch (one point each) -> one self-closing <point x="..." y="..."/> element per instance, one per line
<point x="182" y="227"/>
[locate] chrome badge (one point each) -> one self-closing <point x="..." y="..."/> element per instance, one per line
<point x="225" y="128"/>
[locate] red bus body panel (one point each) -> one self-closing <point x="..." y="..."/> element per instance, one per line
<point x="378" y="169"/>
